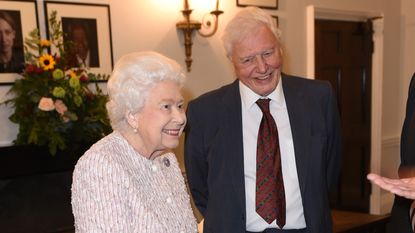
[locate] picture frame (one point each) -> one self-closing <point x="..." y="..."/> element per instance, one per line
<point x="24" y="15"/>
<point x="267" y="4"/>
<point x="92" y="19"/>
<point x="277" y="23"/>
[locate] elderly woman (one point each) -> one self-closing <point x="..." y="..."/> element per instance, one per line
<point x="128" y="181"/>
<point x="11" y="57"/>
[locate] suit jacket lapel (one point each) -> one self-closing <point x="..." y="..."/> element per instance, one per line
<point x="408" y="129"/>
<point x="300" y="128"/>
<point x="232" y="124"/>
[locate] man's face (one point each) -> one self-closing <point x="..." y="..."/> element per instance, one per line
<point x="80" y="40"/>
<point x="257" y="60"/>
<point x="7" y="35"/>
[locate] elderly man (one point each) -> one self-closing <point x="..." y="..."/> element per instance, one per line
<point x="262" y="152"/>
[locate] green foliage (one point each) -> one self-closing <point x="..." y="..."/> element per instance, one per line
<point x="56" y="102"/>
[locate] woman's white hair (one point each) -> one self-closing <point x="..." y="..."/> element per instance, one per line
<point x="131" y="80"/>
<point x="246" y="22"/>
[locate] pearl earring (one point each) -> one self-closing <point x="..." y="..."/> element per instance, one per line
<point x="135" y="130"/>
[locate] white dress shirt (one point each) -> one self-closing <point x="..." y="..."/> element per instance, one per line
<point x="84" y="62"/>
<point x="251" y="118"/>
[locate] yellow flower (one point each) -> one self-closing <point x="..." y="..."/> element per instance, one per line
<point x="47" y="62"/>
<point x="44" y="43"/>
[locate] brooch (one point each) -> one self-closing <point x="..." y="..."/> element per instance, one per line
<point x="166" y="162"/>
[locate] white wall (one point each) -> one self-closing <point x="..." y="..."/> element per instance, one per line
<point x="150" y="25"/>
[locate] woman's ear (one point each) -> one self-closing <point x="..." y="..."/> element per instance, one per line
<point x="131" y="119"/>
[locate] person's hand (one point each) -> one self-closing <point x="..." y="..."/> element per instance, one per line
<point x="403" y="187"/>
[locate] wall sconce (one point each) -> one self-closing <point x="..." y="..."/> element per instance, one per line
<point x="188" y="26"/>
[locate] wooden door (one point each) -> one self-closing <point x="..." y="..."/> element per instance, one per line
<point x="344" y="57"/>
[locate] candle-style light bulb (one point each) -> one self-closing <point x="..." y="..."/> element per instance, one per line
<point x="186" y="5"/>
<point x="217" y="5"/>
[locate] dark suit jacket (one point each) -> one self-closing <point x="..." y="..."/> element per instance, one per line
<point x="214" y="153"/>
<point x="16" y="64"/>
<point x="400" y="211"/>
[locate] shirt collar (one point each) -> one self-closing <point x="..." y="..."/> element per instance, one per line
<point x="249" y="97"/>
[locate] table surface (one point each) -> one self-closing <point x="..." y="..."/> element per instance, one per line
<point x="346" y="221"/>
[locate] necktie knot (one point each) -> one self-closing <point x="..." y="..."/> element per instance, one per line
<point x="263" y="104"/>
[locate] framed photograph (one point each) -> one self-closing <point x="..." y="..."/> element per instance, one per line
<point x="88" y="26"/>
<point x="17" y="20"/>
<point x="267" y="4"/>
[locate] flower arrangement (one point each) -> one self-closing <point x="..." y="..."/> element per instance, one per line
<point x="56" y="102"/>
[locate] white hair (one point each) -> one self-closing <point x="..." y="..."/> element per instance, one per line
<point x="245" y="23"/>
<point x="132" y="78"/>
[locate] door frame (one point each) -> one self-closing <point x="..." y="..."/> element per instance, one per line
<point x="312" y="13"/>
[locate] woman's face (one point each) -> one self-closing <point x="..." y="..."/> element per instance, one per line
<point x="7" y="35"/>
<point x="162" y="119"/>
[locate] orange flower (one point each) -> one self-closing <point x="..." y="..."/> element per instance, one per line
<point x="44" y="43"/>
<point x="71" y="74"/>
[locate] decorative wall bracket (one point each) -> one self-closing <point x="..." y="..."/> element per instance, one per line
<point x="187" y="26"/>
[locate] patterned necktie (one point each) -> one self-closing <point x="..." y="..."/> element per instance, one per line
<point x="270" y="194"/>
